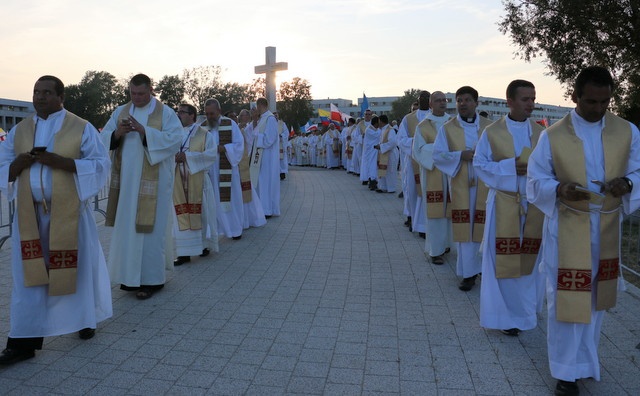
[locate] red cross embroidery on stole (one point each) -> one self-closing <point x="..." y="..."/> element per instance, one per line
<point x="531" y="245"/>
<point x="435" y="196"/>
<point x="460" y="216"/>
<point x="31" y="249"/>
<point x="574" y="279"/>
<point x="479" y="216"/>
<point x="608" y="269"/>
<point x="59" y="259"/>
<point x="507" y="245"/>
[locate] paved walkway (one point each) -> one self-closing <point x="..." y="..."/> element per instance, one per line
<point x="333" y="297"/>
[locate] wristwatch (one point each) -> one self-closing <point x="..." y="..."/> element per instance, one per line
<point x="629" y="183"/>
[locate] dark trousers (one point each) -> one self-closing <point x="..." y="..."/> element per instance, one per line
<point x="25" y="343"/>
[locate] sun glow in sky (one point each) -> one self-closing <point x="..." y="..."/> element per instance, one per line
<point x="343" y="48"/>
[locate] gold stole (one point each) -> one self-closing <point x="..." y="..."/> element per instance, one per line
<point x="383" y="158"/>
<point x="515" y="257"/>
<point x="349" y="149"/>
<point x="245" y="177"/>
<point x="461" y="220"/>
<point x="280" y="123"/>
<point x="437" y="207"/>
<point x="412" y="124"/>
<point x="65" y="212"/>
<point x="148" y="190"/>
<point x="225" y="136"/>
<point x="189" y="206"/>
<point x="573" y="302"/>
<point x="335" y="147"/>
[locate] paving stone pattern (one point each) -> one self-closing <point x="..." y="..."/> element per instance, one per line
<point x="334" y="297"/>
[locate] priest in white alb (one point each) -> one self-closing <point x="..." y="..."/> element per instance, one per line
<point x="583" y="175"/>
<point x="195" y="228"/>
<point x="144" y="136"/>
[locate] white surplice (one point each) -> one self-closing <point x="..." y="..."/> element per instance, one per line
<point x="573" y="347"/>
<point x="269" y="179"/>
<point x="192" y="242"/>
<point x="333" y="159"/>
<point x="405" y="143"/>
<point x="33" y="312"/>
<point x="253" y="214"/>
<point x="141" y="258"/>
<point x="230" y="214"/>
<point x="369" y="163"/>
<point x="509" y="302"/>
<point x="390" y="180"/>
<point x="438" y="231"/>
<point x="469" y="262"/>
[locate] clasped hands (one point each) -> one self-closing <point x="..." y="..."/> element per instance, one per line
<point x="616" y="187"/>
<point x="48" y="158"/>
<point x="127" y="125"/>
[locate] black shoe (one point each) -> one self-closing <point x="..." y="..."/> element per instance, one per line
<point x="401" y="195"/>
<point x="511" y="332"/>
<point x="447" y="250"/>
<point x="467" y="283"/>
<point x="235" y="238"/>
<point x="380" y="191"/>
<point x="422" y="235"/>
<point x="283" y="176"/>
<point x="181" y="260"/>
<point x="437" y="260"/>
<point x="566" y="388"/>
<point x="86" y="333"/>
<point x="12" y="356"/>
<point x="205" y="252"/>
<point x="267" y="217"/>
<point x="408" y="222"/>
<point x="129" y="288"/>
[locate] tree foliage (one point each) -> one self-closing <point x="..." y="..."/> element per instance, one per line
<point x="402" y="106"/>
<point x="94" y="98"/>
<point x="171" y="89"/>
<point x="294" y="104"/>
<point x="202" y="83"/>
<point x="573" y="34"/>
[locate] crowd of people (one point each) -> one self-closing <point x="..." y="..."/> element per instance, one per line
<point x="515" y="202"/>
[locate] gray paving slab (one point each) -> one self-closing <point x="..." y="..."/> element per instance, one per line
<point x="334" y="297"/>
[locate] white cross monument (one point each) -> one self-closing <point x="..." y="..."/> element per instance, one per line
<point x="269" y="69"/>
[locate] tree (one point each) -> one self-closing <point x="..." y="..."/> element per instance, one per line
<point x="171" y="89"/>
<point x="402" y="106"/>
<point x="573" y="34"/>
<point x="294" y="104"/>
<point x="258" y="88"/>
<point x="201" y="83"/>
<point x="94" y="98"/>
<point x="233" y="96"/>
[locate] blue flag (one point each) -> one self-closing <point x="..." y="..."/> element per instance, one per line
<point x="365" y="105"/>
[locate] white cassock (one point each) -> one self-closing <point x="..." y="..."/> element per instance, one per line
<point x="230" y="214"/>
<point x="192" y="242"/>
<point x="469" y="262"/>
<point x="284" y="140"/>
<point x="33" y="312"/>
<point x="312" y="158"/>
<point x="405" y="143"/>
<point x="509" y="302"/>
<point x="333" y="159"/>
<point x="269" y="179"/>
<point x="141" y="258"/>
<point x="302" y="150"/>
<point x="573" y="347"/>
<point x="388" y="183"/>
<point x="438" y="231"/>
<point x="320" y="152"/>
<point x="253" y="214"/>
<point x="356" y="143"/>
<point x="346" y="162"/>
<point x="369" y="165"/>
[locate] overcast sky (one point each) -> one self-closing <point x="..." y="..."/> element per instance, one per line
<point x="381" y="47"/>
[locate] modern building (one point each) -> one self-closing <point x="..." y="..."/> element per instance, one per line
<point x="13" y="111"/>
<point x="496" y="107"/>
